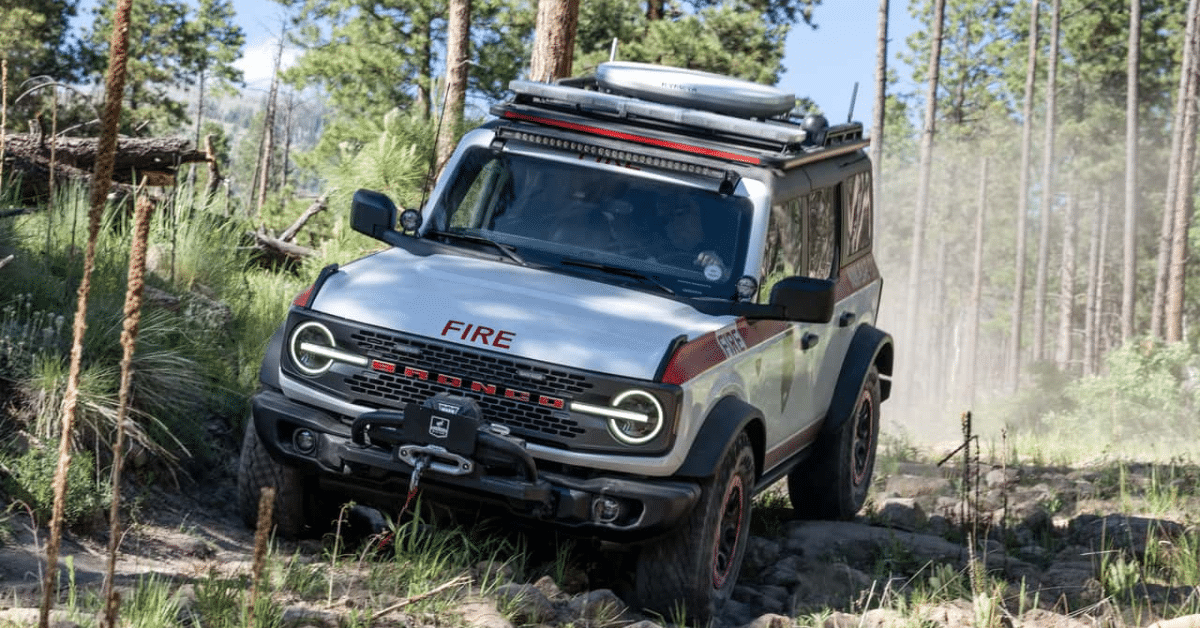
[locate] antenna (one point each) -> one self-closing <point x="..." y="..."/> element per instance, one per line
<point x="853" y="97"/>
<point x="612" y="52"/>
<point x="427" y="186"/>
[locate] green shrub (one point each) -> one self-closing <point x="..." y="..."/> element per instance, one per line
<point x="32" y="481"/>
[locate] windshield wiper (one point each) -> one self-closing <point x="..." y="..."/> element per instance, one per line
<point x="618" y="270"/>
<point x="507" y="249"/>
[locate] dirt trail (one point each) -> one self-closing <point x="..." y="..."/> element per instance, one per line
<point x="1047" y="540"/>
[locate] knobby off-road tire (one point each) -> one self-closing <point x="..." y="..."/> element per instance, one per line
<point x="256" y="469"/>
<point x="833" y="482"/>
<point x="690" y="574"/>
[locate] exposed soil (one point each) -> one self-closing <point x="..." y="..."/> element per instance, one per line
<point x="1047" y="541"/>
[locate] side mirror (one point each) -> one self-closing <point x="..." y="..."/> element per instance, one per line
<point x="372" y="214"/>
<point x="804" y="299"/>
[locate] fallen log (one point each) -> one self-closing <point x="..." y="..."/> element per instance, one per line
<point x="316" y="207"/>
<point x="276" y="251"/>
<point x="136" y="153"/>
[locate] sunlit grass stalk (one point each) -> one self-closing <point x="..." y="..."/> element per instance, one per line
<point x="101" y="177"/>
<point x="129" y="333"/>
<point x="262" y="537"/>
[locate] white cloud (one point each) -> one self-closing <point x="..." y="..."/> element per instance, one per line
<point x="258" y="62"/>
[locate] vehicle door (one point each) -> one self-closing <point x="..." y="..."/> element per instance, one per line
<point x="784" y="389"/>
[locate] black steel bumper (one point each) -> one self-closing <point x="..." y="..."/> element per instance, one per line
<point x="498" y="471"/>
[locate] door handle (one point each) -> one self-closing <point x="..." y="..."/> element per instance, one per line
<point x="847" y="319"/>
<point x="808" y="341"/>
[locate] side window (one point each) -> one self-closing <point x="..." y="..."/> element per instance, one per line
<point x="858" y="215"/>
<point x="821" y="239"/>
<point x="783" y="256"/>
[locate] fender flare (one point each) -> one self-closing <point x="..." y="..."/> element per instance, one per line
<point x="268" y="371"/>
<point x="724" y="422"/>
<point x="870" y="346"/>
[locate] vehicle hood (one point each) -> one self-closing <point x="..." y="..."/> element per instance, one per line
<point x="548" y="316"/>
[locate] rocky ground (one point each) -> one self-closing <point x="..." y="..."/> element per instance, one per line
<point x="1053" y="547"/>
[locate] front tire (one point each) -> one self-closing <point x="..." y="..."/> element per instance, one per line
<point x="257" y="470"/>
<point x="834" y="481"/>
<point x="693" y="570"/>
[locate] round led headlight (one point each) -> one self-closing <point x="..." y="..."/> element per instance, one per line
<point x="638" y="417"/>
<point x="311" y="348"/>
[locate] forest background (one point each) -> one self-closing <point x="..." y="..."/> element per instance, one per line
<point x="1034" y="292"/>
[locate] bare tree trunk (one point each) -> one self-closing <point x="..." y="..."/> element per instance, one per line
<point x="118" y="58"/>
<point x="214" y="170"/>
<point x="554" y="39"/>
<point x="458" y="40"/>
<point x="268" y="135"/>
<point x="1129" y="259"/>
<point x="287" y="145"/>
<point x="1101" y="281"/>
<point x="1043" y="260"/>
<point x="1066" y="287"/>
<point x="976" y="285"/>
<point x="924" y="173"/>
<point x="1018" y="301"/>
<point x="1089" y="300"/>
<point x="3" y="113"/>
<point x="1163" y="259"/>
<point x="880" y="110"/>
<point x="1183" y="196"/>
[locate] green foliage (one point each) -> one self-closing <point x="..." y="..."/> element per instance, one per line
<point x="173" y="44"/>
<point x="32" y="482"/>
<point x="721" y="37"/>
<point x="1148" y="388"/>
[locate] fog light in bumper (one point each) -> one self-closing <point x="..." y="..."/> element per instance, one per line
<point x="305" y="441"/>
<point x="607" y="509"/>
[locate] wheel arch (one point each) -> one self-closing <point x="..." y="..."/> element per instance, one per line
<point x="729" y="417"/>
<point x="869" y="347"/>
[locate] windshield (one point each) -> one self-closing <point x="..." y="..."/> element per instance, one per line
<point x="686" y="238"/>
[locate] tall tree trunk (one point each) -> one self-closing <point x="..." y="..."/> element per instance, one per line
<point x="425" y="95"/>
<point x="1101" y="281"/>
<point x="976" y="285"/>
<point x="1129" y="259"/>
<point x="880" y="110"/>
<point x="1183" y="195"/>
<point x="3" y="112"/>
<point x="458" y="40"/>
<point x="1043" y="260"/>
<point x="268" y="135"/>
<point x="923" y="177"/>
<point x="554" y="39"/>
<point x="1066" y="287"/>
<point x="1158" y="305"/>
<point x="1089" y="300"/>
<point x="101" y="179"/>
<point x="1018" y="300"/>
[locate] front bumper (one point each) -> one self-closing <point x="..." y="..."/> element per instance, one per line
<point x="497" y="471"/>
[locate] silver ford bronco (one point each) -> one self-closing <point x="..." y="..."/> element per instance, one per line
<point x="633" y="301"/>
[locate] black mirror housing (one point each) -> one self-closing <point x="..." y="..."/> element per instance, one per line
<point x="373" y="214"/>
<point x="804" y="299"/>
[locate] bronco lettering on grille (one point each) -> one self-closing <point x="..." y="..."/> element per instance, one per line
<point x="476" y="386"/>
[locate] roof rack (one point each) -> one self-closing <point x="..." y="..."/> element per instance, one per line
<point x="771" y="138"/>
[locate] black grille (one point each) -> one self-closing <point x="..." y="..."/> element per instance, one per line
<point x="526" y="418"/>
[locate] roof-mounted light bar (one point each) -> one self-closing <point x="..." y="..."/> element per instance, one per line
<point x="630" y="137"/>
<point x="617" y="155"/>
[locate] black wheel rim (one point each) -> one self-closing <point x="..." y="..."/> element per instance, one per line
<point x="729" y="531"/>
<point x="863" y="438"/>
